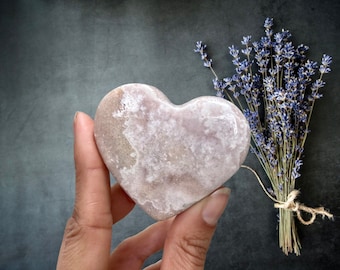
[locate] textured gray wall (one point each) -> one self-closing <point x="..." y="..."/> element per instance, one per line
<point x="58" y="57"/>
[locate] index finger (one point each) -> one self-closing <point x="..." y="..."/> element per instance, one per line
<point x="93" y="198"/>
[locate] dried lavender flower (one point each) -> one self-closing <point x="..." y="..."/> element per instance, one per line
<point x="276" y="87"/>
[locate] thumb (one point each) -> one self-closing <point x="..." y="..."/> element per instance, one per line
<point x="190" y="235"/>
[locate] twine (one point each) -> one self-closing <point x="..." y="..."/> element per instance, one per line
<point x="292" y="205"/>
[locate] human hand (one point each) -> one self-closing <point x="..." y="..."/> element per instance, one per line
<point x="185" y="239"/>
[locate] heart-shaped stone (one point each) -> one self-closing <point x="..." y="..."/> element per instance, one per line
<point x="165" y="156"/>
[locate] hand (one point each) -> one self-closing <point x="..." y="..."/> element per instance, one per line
<point x="184" y="239"/>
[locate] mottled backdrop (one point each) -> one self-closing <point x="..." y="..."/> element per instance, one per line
<point x="58" y="57"/>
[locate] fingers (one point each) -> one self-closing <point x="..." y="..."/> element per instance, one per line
<point x="189" y="238"/>
<point x="87" y="234"/>
<point x="96" y="204"/>
<point x="133" y="251"/>
<point x="185" y="238"/>
<point x="93" y="199"/>
<point x="87" y="238"/>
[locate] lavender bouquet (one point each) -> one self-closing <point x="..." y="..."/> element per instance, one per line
<point x="276" y="87"/>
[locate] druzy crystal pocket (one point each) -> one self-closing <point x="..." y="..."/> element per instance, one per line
<point x="165" y="156"/>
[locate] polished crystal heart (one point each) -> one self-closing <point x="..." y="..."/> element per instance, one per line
<point x="165" y="156"/>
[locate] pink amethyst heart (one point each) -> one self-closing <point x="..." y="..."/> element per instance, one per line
<point x="168" y="157"/>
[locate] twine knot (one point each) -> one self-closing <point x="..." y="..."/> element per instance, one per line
<point x="292" y="205"/>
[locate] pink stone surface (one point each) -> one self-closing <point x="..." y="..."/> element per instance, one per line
<point x="165" y="156"/>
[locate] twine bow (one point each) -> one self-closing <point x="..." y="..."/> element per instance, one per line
<point x="292" y="205"/>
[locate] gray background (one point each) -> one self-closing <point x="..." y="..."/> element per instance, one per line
<point x="58" y="57"/>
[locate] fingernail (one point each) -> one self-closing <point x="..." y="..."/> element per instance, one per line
<point x="215" y="206"/>
<point x="75" y="116"/>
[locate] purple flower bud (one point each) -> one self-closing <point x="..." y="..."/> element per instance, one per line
<point x="268" y="23"/>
